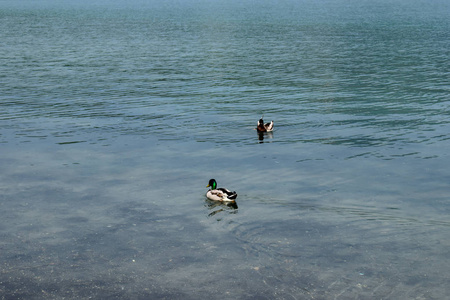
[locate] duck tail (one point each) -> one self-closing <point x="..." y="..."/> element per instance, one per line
<point x="269" y="126"/>
<point x="233" y="196"/>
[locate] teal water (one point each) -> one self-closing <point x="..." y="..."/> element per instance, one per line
<point x="115" y="114"/>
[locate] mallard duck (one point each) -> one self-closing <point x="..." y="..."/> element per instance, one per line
<point x="264" y="127"/>
<point x="219" y="194"/>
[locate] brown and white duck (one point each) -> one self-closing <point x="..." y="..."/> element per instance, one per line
<point x="264" y="127"/>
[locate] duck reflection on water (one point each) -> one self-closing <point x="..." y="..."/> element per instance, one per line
<point x="218" y="207"/>
<point x="262" y="135"/>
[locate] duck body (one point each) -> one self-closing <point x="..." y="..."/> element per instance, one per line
<point x="219" y="194"/>
<point x="267" y="127"/>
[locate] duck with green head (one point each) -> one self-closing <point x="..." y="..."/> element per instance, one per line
<point x="219" y="194"/>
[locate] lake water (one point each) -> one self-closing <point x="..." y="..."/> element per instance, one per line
<point x="115" y="115"/>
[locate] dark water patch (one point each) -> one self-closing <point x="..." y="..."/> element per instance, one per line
<point x="71" y="142"/>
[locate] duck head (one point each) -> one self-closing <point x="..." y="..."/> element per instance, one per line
<point x="212" y="183"/>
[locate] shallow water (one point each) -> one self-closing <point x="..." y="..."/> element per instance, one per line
<point x="116" y="114"/>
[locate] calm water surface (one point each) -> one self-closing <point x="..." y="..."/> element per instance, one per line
<point x="115" y="114"/>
